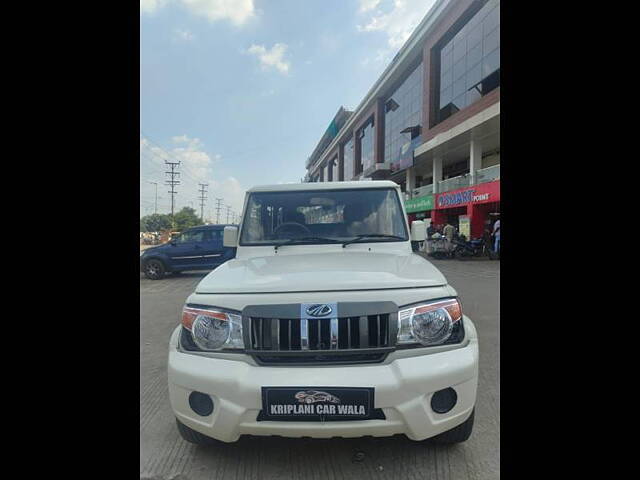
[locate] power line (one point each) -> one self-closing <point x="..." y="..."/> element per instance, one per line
<point x="218" y="202"/>
<point x="202" y="199"/>
<point x="228" y="210"/>
<point x="172" y="183"/>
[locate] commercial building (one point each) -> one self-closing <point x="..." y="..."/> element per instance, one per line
<point x="431" y="122"/>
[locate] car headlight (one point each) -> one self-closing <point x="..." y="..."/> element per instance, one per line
<point x="431" y="323"/>
<point x="212" y="329"/>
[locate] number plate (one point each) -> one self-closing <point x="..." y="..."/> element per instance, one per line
<point x="312" y="404"/>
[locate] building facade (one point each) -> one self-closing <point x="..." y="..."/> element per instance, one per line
<point x="431" y="122"/>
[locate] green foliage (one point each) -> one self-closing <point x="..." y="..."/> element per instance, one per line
<point x="155" y="222"/>
<point x="187" y="218"/>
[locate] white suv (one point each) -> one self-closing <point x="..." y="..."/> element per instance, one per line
<point x="326" y="324"/>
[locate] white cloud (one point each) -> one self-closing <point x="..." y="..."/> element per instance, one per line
<point x="236" y="11"/>
<point x="196" y="166"/>
<point x="231" y="191"/>
<point x="150" y="6"/>
<point x="183" y="35"/>
<point x="273" y="58"/>
<point x="397" y="20"/>
<point x="366" y="5"/>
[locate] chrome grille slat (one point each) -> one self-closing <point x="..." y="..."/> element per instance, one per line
<point x="304" y="334"/>
<point x="334" y="334"/>
<point x="275" y="334"/>
<point x="364" y="332"/>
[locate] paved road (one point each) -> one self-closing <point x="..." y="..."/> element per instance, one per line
<point x="164" y="455"/>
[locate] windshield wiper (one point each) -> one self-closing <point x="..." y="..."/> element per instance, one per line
<point x="370" y="235"/>
<point x="303" y="240"/>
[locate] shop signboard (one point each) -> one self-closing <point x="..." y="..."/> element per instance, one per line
<point x="405" y="159"/>
<point x="482" y="193"/>
<point x="419" y="204"/>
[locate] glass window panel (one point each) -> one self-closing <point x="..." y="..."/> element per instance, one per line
<point x="491" y="41"/>
<point x="408" y="95"/>
<point x="447" y="78"/>
<point x="475" y="36"/>
<point x="474" y="52"/>
<point x="474" y="56"/>
<point x="459" y="49"/>
<point x="459" y="87"/>
<point x="447" y="61"/>
<point x="492" y="20"/>
<point x="472" y="96"/>
<point x="459" y="69"/>
<point x="474" y="76"/>
<point x="447" y="48"/>
<point x="491" y="63"/>
<point x="459" y="101"/>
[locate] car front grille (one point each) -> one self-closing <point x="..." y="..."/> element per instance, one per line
<point x="361" y="336"/>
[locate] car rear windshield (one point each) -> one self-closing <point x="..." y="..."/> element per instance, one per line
<point x="340" y="215"/>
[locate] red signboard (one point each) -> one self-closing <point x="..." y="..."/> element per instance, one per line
<point x="482" y="193"/>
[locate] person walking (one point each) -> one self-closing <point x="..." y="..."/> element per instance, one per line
<point x="496" y="236"/>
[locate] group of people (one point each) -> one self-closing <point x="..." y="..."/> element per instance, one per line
<point x="491" y="234"/>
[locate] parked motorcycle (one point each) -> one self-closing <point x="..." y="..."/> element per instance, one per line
<point x="466" y="249"/>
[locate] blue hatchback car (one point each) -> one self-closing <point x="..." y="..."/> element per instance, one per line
<point x="198" y="248"/>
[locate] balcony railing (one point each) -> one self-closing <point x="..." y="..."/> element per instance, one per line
<point x="423" y="190"/>
<point x="488" y="174"/>
<point x="453" y="183"/>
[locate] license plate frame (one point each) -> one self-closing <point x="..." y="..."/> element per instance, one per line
<point x="318" y="404"/>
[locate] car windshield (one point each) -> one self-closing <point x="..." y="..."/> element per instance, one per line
<point x="323" y="216"/>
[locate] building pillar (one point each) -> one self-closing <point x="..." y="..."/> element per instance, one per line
<point x="341" y="162"/>
<point x="437" y="173"/>
<point x="411" y="181"/>
<point x="475" y="159"/>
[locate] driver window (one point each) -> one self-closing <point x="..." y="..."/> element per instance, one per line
<point x="190" y="237"/>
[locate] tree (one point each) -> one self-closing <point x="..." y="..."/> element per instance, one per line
<point x="187" y="218"/>
<point x="155" y="223"/>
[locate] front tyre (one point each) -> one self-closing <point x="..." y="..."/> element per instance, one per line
<point x="459" y="434"/>
<point x="192" y="436"/>
<point x="154" y="269"/>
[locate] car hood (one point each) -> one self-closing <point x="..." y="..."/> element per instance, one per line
<point x="325" y="271"/>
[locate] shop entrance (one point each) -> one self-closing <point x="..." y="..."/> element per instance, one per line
<point x="452" y="214"/>
<point x="484" y="216"/>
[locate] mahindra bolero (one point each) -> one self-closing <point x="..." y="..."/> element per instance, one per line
<point x="325" y="324"/>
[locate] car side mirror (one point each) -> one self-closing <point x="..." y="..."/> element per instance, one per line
<point x="418" y="231"/>
<point x="230" y="237"/>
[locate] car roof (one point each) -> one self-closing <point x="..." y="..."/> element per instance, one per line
<point x="212" y="227"/>
<point x="289" y="187"/>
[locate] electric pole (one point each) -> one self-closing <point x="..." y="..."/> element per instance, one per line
<point x="155" y="210"/>
<point x="172" y="183"/>
<point x="228" y="210"/>
<point x="202" y="199"/>
<point x="218" y="201"/>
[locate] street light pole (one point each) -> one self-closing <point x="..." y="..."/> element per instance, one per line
<point x="155" y="210"/>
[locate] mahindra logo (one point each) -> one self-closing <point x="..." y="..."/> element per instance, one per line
<point x="319" y="310"/>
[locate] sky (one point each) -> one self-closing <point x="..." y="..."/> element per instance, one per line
<point x="240" y="91"/>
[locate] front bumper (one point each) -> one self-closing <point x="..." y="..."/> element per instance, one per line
<point x="403" y="390"/>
